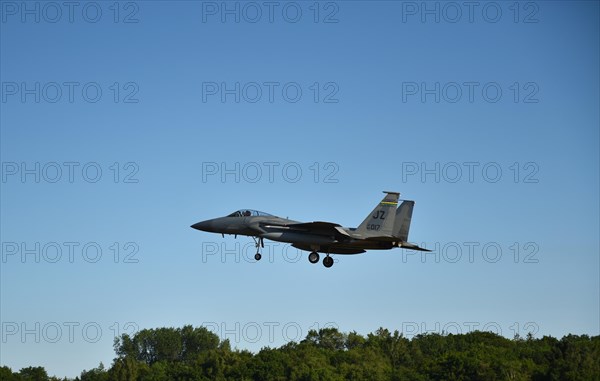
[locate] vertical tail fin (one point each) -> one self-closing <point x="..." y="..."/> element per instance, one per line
<point x="380" y="222"/>
<point x="403" y="217"/>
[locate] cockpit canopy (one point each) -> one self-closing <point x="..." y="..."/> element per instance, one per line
<point x="248" y="213"/>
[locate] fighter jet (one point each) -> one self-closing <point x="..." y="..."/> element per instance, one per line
<point x="384" y="228"/>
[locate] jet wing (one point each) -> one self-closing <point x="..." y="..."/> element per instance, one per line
<point x="317" y="227"/>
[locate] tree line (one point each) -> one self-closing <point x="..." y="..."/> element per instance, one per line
<point x="195" y="353"/>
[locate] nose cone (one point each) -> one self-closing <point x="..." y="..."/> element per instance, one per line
<point x="203" y="225"/>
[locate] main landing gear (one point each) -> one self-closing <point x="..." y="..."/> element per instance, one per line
<point x="258" y="241"/>
<point x="313" y="257"/>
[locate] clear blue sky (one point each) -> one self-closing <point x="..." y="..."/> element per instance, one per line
<point x="371" y="123"/>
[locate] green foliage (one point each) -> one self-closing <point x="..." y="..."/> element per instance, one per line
<point x="96" y="374"/>
<point x="166" y="344"/>
<point x="33" y="374"/>
<point x="6" y="374"/>
<point x="190" y="353"/>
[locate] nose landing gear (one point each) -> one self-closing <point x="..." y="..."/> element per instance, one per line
<point x="258" y="242"/>
<point x="328" y="261"/>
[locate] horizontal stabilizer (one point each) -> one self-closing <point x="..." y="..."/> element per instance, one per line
<point x="411" y="246"/>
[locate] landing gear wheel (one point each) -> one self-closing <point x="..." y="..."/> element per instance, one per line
<point x="313" y="257"/>
<point x="328" y="261"/>
<point x="258" y="242"/>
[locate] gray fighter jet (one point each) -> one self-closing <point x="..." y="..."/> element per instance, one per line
<point x="384" y="228"/>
